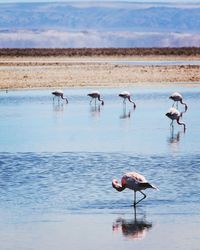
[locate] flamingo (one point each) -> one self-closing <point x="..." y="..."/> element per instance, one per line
<point x="135" y="182"/>
<point x="59" y="94"/>
<point x="126" y="95"/>
<point x="174" y="114"/>
<point x="177" y="97"/>
<point x="96" y="95"/>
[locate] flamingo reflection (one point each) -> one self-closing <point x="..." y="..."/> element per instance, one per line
<point x="132" y="228"/>
<point x="58" y="107"/>
<point x="125" y="114"/>
<point x="174" y="137"/>
<point x="95" y="110"/>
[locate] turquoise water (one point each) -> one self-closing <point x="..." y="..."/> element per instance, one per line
<point x="57" y="163"/>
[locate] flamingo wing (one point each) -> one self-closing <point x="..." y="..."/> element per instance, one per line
<point x="137" y="177"/>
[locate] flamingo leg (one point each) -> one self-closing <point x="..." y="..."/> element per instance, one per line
<point x="144" y="196"/>
<point x="124" y="108"/>
<point x="134" y="204"/>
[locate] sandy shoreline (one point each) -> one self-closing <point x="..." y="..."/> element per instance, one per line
<point x="60" y="72"/>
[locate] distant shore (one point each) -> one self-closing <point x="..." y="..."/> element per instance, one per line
<point x="49" y="68"/>
<point x="79" y="52"/>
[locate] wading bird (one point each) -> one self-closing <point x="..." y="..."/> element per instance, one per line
<point x="96" y="95"/>
<point x="177" y="97"/>
<point x="174" y="114"/>
<point x="135" y="182"/>
<point x="59" y="94"/>
<point x="126" y="95"/>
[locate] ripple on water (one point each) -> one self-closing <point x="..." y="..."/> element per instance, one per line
<point x="82" y="181"/>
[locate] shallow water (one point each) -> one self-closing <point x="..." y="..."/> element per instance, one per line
<point x="57" y="163"/>
<point x="31" y="122"/>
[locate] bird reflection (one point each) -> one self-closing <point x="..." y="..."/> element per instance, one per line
<point x="95" y="110"/>
<point x="175" y="137"/>
<point x="58" y="106"/>
<point x="126" y="114"/>
<point x="132" y="228"/>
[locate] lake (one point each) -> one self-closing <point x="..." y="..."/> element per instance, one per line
<point x="57" y="162"/>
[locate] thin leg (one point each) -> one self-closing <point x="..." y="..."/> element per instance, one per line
<point x="134" y="204"/>
<point x="91" y="100"/>
<point x="172" y="131"/>
<point x="124" y="108"/>
<point x="144" y="196"/>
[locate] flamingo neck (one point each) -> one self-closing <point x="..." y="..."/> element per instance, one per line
<point x="186" y="107"/>
<point x="102" y="102"/>
<point x="129" y="98"/>
<point x="181" y="123"/>
<point x="117" y="185"/>
<point x="64" y="98"/>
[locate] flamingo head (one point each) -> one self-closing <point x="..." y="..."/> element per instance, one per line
<point x="115" y="183"/>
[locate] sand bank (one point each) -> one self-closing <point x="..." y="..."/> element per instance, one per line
<point x="49" y="72"/>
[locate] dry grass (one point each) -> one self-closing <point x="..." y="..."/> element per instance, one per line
<point x="185" y="51"/>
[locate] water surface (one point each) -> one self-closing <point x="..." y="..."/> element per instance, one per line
<point x="57" y="163"/>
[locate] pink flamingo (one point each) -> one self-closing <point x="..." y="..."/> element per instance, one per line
<point x="177" y="97"/>
<point x="96" y="95"/>
<point x="126" y="95"/>
<point x="135" y="182"/>
<point x="59" y="94"/>
<point x="174" y="114"/>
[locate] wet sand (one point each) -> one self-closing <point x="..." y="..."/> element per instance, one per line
<point x="95" y="71"/>
<point x="102" y="231"/>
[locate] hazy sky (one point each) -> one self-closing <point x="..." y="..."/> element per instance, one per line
<point x="158" y="1"/>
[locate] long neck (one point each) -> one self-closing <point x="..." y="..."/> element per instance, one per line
<point x="181" y="123"/>
<point x="129" y="98"/>
<point x="64" y="98"/>
<point x="102" y="102"/>
<point x="186" y="107"/>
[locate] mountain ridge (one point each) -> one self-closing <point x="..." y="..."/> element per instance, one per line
<point x="155" y="24"/>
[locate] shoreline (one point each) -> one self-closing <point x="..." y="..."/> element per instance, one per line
<point x="95" y="71"/>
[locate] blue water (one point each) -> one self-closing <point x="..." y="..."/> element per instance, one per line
<point x="57" y="163"/>
<point x="81" y="182"/>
